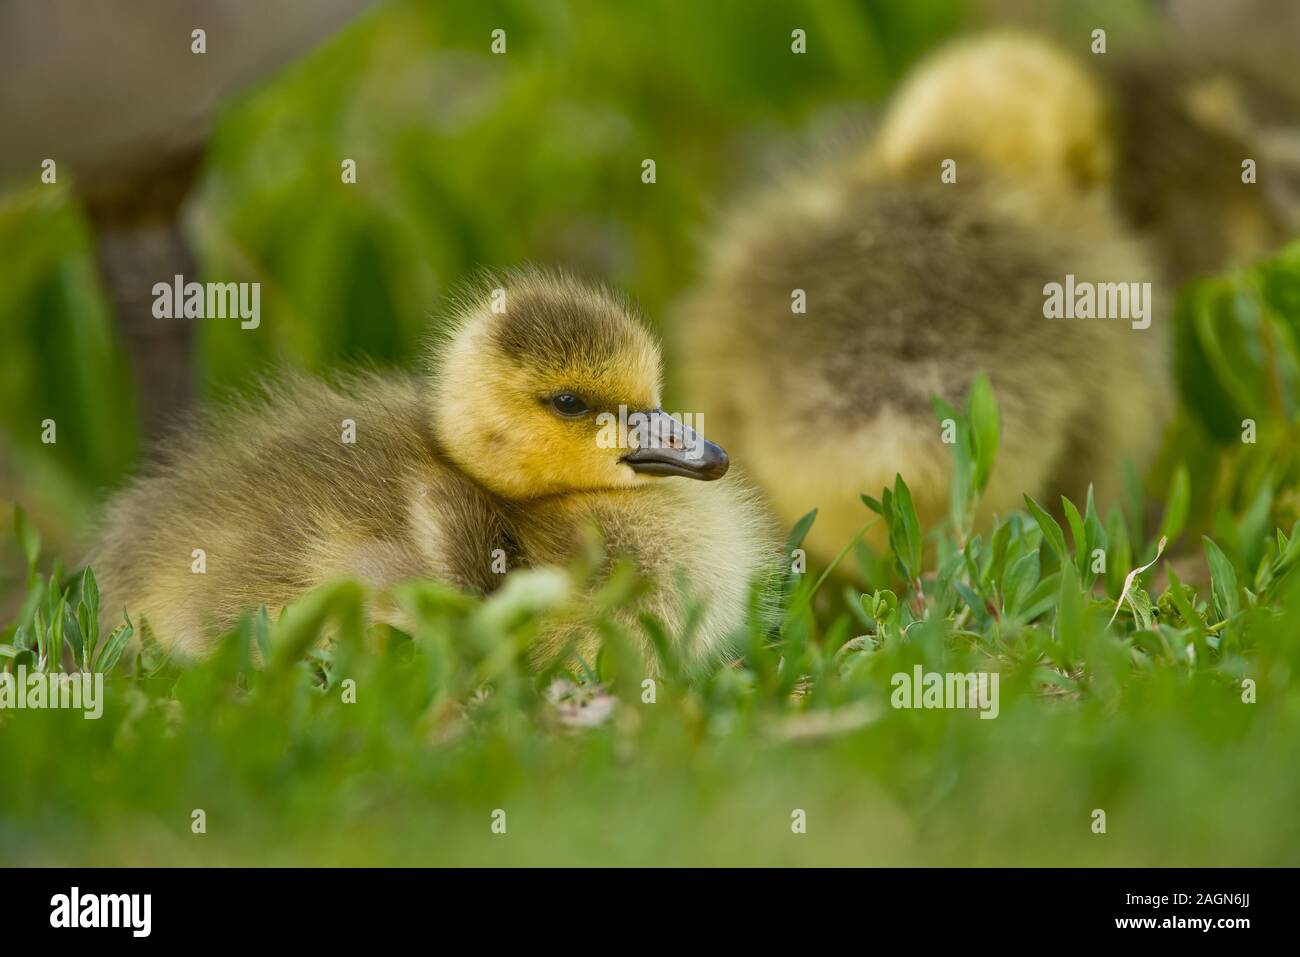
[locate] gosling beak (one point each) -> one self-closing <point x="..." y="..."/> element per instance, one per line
<point x="667" y="447"/>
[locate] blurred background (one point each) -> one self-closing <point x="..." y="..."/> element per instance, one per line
<point x="227" y="163"/>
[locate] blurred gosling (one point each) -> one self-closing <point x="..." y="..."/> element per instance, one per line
<point x="913" y="285"/>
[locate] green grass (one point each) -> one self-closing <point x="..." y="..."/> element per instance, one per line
<point x="385" y="747"/>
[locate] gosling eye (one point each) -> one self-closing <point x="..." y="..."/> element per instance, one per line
<point x="566" y="403"/>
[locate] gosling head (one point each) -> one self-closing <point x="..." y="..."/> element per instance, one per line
<point x="543" y="385"/>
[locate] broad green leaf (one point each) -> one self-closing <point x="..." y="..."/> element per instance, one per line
<point x="1252" y="530"/>
<point x="1176" y="504"/>
<point x="41" y="627"/>
<point x="1199" y="366"/>
<point x="113" y="646"/>
<point x="1079" y="536"/>
<point x="89" y="628"/>
<point x="1223" y="581"/>
<point x="982" y="409"/>
<point x="905" y="530"/>
<point x="1070" y="616"/>
<point x="90" y="591"/>
<point x="1019" y="582"/>
<point x="72" y="635"/>
<point x="1052" y="533"/>
<point x="1139" y="602"/>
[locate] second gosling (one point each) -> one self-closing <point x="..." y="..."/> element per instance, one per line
<point x="912" y="284"/>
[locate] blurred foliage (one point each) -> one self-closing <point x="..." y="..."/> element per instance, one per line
<point x="465" y="160"/>
<point x="1237" y="364"/>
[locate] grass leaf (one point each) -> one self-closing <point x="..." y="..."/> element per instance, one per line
<point x="1052" y="533"/>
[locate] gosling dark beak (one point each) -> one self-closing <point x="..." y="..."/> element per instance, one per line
<point x="667" y="447"/>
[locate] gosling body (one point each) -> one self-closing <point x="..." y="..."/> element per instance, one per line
<point x="455" y="475"/>
<point x="912" y="285"/>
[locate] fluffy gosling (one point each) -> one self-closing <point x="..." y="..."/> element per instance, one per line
<point x="495" y="453"/>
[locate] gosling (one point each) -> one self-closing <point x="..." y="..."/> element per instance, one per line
<point x="497" y="458"/>
<point x="836" y="304"/>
